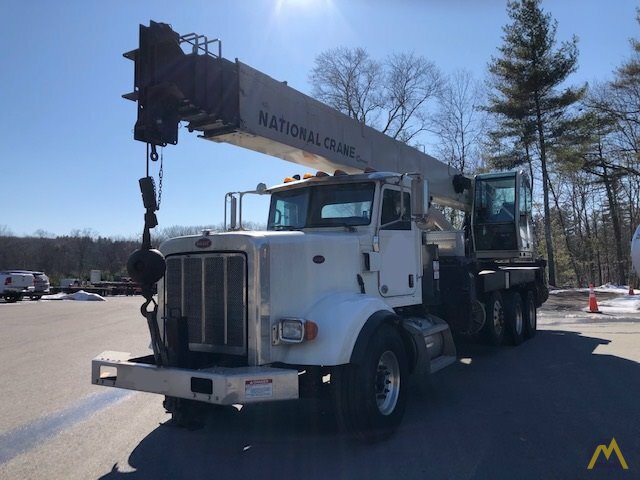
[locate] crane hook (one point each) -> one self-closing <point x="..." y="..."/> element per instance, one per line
<point x="154" y="154"/>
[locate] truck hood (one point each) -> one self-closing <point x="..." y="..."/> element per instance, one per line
<point x="288" y="272"/>
<point x="248" y="241"/>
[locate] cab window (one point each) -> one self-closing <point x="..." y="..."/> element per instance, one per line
<point x="391" y="218"/>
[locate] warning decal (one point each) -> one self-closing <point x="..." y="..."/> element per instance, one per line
<point x="262" y="388"/>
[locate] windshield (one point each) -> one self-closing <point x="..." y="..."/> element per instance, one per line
<point x="495" y="200"/>
<point x="322" y="206"/>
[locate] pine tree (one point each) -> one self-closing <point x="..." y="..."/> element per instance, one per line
<point x="525" y="99"/>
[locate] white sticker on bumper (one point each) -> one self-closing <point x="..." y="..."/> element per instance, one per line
<point x="262" y="388"/>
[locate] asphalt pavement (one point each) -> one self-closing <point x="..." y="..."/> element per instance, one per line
<point x="539" y="410"/>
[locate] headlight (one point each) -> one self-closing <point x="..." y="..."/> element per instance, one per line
<point x="291" y="330"/>
<point x="294" y="330"/>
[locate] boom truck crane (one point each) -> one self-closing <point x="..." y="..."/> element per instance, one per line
<point x="359" y="281"/>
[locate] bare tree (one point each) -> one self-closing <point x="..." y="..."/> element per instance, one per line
<point x="349" y="81"/>
<point x="460" y="122"/>
<point x="411" y="81"/>
<point x="392" y="96"/>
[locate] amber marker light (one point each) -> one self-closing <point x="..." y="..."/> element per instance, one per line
<point x="310" y="330"/>
<point x="307" y="176"/>
<point x="288" y="179"/>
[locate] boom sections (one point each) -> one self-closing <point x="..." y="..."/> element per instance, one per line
<point x="234" y="103"/>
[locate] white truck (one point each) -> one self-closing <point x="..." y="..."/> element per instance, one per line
<point x="14" y="286"/>
<point x="358" y="282"/>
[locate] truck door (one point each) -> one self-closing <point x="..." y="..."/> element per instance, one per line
<point x="524" y="223"/>
<point x="398" y="249"/>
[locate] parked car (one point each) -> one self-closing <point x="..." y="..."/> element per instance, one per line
<point x="15" y="285"/>
<point x="41" y="283"/>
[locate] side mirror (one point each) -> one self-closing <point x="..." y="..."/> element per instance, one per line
<point x="234" y="213"/>
<point x="419" y="197"/>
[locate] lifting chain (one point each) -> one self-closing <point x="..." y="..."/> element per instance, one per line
<point x="153" y="156"/>
<point x="160" y="175"/>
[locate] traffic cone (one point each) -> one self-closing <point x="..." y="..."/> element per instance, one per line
<point x="593" y="303"/>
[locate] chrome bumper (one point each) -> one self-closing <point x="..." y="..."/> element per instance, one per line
<point x="220" y="386"/>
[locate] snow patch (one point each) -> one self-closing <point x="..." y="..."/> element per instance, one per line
<point x="606" y="288"/>
<point x="622" y="304"/>
<point x="80" y="296"/>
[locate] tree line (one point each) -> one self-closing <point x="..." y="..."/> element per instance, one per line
<point x="578" y="143"/>
<point x="67" y="256"/>
<point x="76" y="254"/>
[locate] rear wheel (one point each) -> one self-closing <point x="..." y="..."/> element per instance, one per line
<point x="494" y="325"/>
<point x="514" y="316"/>
<point x="530" y="314"/>
<point x="371" y="396"/>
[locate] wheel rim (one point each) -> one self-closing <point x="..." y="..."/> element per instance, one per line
<point x="387" y="382"/>
<point x="498" y="317"/>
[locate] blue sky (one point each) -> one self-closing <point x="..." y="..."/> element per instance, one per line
<point x="68" y="160"/>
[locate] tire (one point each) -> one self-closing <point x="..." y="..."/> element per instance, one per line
<point x="514" y="316"/>
<point x="193" y="415"/>
<point x="11" y="298"/>
<point x="530" y="314"/>
<point x="371" y="397"/>
<point x="187" y="414"/>
<point x="494" y="325"/>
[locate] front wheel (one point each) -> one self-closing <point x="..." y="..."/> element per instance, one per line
<point x="371" y="396"/>
<point x="12" y="297"/>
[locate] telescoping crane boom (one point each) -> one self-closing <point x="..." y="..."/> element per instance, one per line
<point x="234" y="103"/>
<point x="356" y="284"/>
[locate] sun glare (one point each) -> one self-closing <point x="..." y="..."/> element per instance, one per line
<point x="300" y="4"/>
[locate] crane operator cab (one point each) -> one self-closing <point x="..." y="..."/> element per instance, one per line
<point x="501" y="221"/>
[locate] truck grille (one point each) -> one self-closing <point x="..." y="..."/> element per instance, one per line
<point x="209" y="290"/>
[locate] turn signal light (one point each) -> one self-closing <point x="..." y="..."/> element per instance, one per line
<point x="310" y="330"/>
